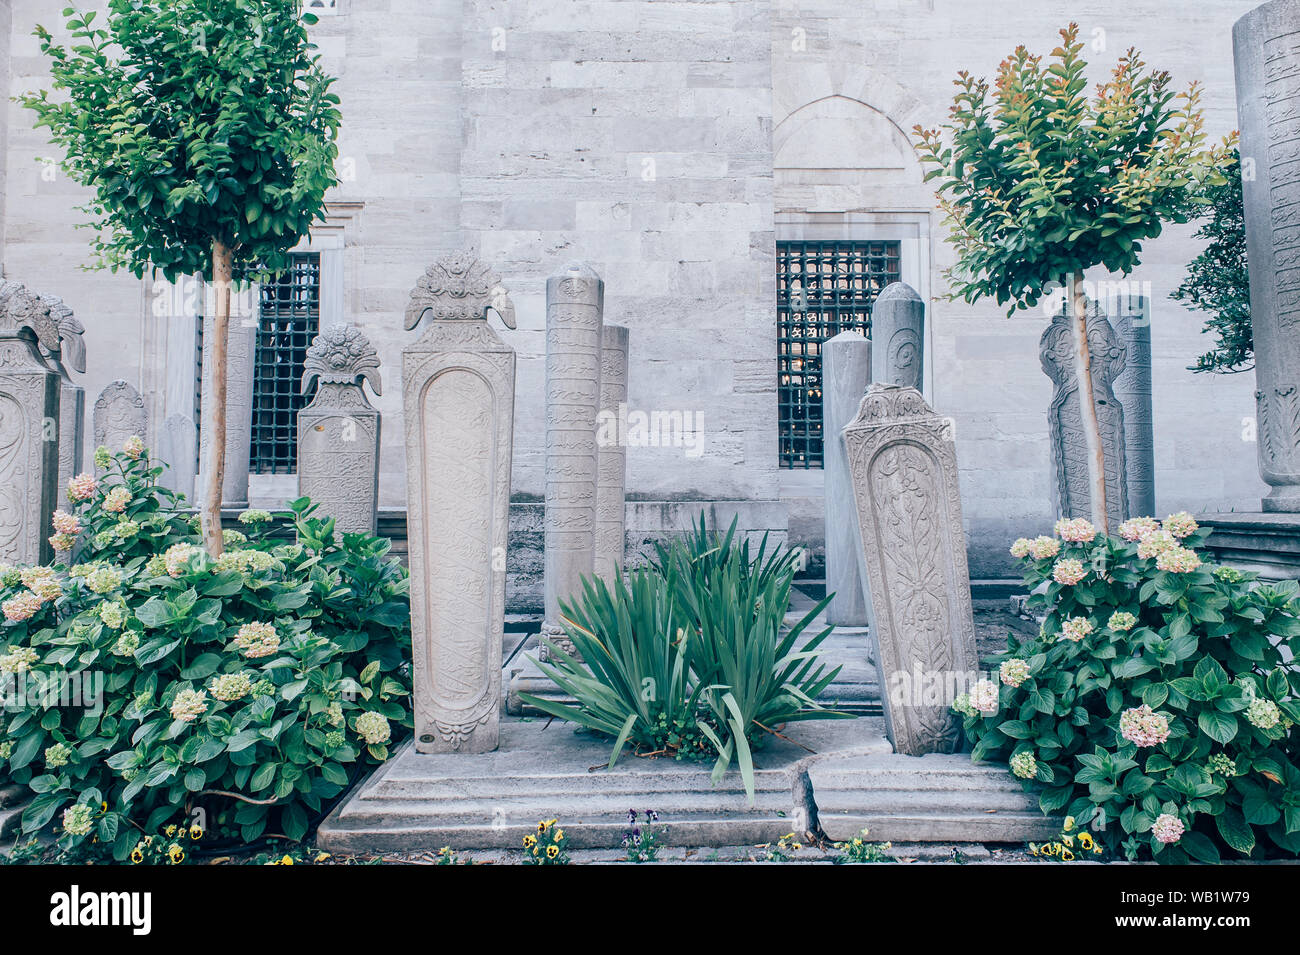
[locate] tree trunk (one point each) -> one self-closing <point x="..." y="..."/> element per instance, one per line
<point x="214" y="411"/>
<point x="1088" y="405"/>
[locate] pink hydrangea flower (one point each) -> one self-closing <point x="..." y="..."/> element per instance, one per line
<point x="1076" y="628"/>
<point x="1179" y="560"/>
<point x="82" y="487"/>
<point x="62" y="542"/>
<point x="1181" y="524"/>
<point x="1076" y="531"/>
<point x="22" y="606"/>
<point x="116" y="500"/>
<point x="1136" y="528"/>
<point x="1069" y="571"/>
<point x="1143" y="726"/>
<point x="1022" y="547"/>
<point x="66" y="523"/>
<point x="133" y="447"/>
<point x="1014" y="672"/>
<point x="1156" y="543"/>
<point x="1167" y="828"/>
<point x="1041" y="548"/>
<point x="984" y="697"/>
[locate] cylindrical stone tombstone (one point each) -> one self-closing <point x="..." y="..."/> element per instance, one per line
<point x="458" y="390"/>
<point x="611" y="483"/>
<point x="70" y="356"/>
<point x="240" y="356"/>
<point x="1133" y="391"/>
<point x="29" y="421"/>
<point x="574" y="308"/>
<point x="846" y="372"/>
<point x="1266" y="48"/>
<point x="898" y="337"/>
<point x="338" y="432"/>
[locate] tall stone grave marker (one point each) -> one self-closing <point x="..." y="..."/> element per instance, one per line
<point x="241" y="353"/>
<point x="846" y="372"/>
<point x="119" y="414"/>
<point x="898" y="337"/>
<point x="913" y="553"/>
<point x="29" y="417"/>
<point x="1071" y="494"/>
<point x="70" y="355"/>
<point x="575" y="301"/>
<point x="1266" y="48"/>
<point x="458" y="388"/>
<point x="611" y="457"/>
<point x="1133" y="390"/>
<point x="338" y="433"/>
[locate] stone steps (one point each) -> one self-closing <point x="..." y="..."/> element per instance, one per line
<point x="934" y="798"/>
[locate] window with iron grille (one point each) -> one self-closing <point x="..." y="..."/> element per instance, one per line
<point x="822" y="289"/>
<point x="289" y="321"/>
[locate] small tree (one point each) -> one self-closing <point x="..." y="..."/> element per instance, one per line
<point x="206" y="129"/>
<point x="1041" y="183"/>
<point x="1218" y="280"/>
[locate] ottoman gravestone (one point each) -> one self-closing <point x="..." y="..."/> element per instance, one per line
<point x="1133" y="390"/>
<point x="458" y="389"/>
<point x="611" y="455"/>
<point x="898" y="337"/>
<point x="1071" y="494"/>
<point x="913" y="554"/>
<point x="69" y="356"/>
<point x="29" y="420"/>
<point x="1266" y="50"/>
<point x="119" y="414"/>
<point x="574" y="313"/>
<point x="846" y="372"/>
<point x="338" y="432"/>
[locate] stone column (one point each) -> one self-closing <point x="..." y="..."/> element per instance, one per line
<point x="913" y="551"/>
<point x="1133" y="391"/>
<point x="1071" y="491"/>
<point x="846" y="372"/>
<point x="241" y="352"/>
<point x="70" y="356"/>
<point x="1266" y="48"/>
<point x="338" y="433"/>
<point x="611" y="484"/>
<point x="119" y="414"/>
<point x="458" y="388"/>
<point x="898" y="337"/>
<point x="574" y="306"/>
<point x="29" y="417"/>
<point x="178" y="439"/>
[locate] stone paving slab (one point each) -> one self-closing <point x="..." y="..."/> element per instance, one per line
<point x="933" y="798"/>
<point x="544" y="769"/>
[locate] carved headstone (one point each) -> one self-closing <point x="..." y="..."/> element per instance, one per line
<point x="240" y="356"/>
<point x="178" y="448"/>
<point x="1133" y="390"/>
<point x="29" y="415"/>
<point x="119" y="414"/>
<point x="1266" y="48"/>
<point x="898" y="337"/>
<point x="611" y="484"/>
<point x="913" y="553"/>
<point x="846" y="372"/>
<point x="458" y="387"/>
<point x="69" y="356"/>
<point x="1071" y="492"/>
<point x="338" y="433"/>
<point x="574" y="309"/>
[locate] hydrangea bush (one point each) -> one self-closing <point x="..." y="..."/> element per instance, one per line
<point x="1157" y="705"/>
<point x="146" y="680"/>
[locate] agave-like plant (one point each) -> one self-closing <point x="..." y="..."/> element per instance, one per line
<point x="697" y="639"/>
<point x="752" y="676"/>
<point x="633" y="675"/>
